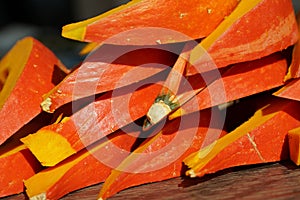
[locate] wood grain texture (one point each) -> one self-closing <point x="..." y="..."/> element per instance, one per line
<point x="269" y="181"/>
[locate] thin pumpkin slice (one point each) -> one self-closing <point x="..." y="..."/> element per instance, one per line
<point x="160" y="157"/>
<point x="240" y="80"/>
<point x="165" y="21"/>
<point x="88" y="167"/>
<point x="256" y="28"/>
<point x="258" y="140"/>
<point x="27" y="71"/>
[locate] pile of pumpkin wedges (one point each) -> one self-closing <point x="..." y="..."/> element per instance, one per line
<point x="66" y="128"/>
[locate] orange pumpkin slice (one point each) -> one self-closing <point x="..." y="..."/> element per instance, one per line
<point x="27" y="71"/>
<point x="165" y="21"/>
<point x="259" y="140"/>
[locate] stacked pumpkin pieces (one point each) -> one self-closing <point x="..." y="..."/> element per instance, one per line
<point x="191" y="62"/>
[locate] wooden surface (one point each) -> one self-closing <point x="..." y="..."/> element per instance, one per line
<point x="268" y="181"/>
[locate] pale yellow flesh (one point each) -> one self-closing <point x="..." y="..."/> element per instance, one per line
<point x="11" y="67"/>
<point x="48" y="146"/>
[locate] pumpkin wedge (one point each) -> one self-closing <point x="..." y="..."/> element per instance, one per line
<point x="27" y="71"/>
<point x="242" y="37"/>
<point x="258" y="140"/>
<point x="107" y="114"/>
<point x="241" y="80"/>
<point x="165" y="21"/>
<point x="89" y="166"/>
<point x="110" y="67"/>
<point x="17" y="164"/>
<point x="290" y="90"/>
<point x="160" y="157"/>
<point x="294" y="145"/>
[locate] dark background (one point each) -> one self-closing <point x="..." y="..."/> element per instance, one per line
<point x="43" y="19"/>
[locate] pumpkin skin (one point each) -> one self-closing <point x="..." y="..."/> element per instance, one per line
<point x="28" y="71"/>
